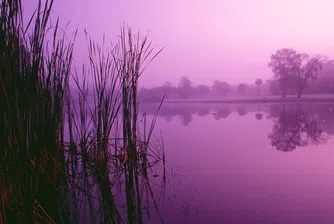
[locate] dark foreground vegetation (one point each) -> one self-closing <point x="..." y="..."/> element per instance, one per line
<point x="64" y="160"/>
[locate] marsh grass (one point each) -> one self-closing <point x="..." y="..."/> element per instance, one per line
<point x="65" y="160"/>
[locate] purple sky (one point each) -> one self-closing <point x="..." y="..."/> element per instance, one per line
<point x="228" y="40"/>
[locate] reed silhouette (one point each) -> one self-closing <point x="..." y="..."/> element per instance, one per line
<point x="67" y="152"/>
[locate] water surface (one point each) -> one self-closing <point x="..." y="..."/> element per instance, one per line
<point x="268" y="163"/>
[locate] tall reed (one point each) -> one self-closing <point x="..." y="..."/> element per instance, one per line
<point x="33" y="91"/>
<point x="61" y="151"/>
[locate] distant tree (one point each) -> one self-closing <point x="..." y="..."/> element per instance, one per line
<point x="185" y="87"/>
<point x="259" y="83"/>
<point x="221" y="87"/>
<point x="294" y="69"/>
<point x="275" y="88"/>
<point x="167" y="85"/>
<point x="284" y="64"/>
<point x="202" y="90"/>
<point x="185" y="82"/>
<point x="241" y="88"/>
<point x="150" y="95"/>
<point x="310" y="69"/>
<point x="325" y="80"/>
<point x="167" y="89"/>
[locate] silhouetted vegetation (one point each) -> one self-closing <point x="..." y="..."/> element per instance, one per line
<point x="241" y="88"/>
<point x="221" y="88"/>
<point x="323" y="85"/>
<point x="259" y="83"/>
<point x="184" y="90"/>
<point x="63" y="157"/>
<point x="202" y="90"/>
<point x="292" y="75"/>
<point x="293" y="70"/>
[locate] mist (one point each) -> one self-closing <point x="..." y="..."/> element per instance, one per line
<point x="148" y="111"/>
<point x="205" y="40"/>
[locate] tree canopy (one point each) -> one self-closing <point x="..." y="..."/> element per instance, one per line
<point x="221" y="87"/>
<point x="293" y="70"/>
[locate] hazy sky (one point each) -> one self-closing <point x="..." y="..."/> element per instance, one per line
<point x="228" y="40"/>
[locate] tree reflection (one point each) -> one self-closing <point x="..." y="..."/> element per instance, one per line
<point x="168" y="118"/>
<point x="295" y="128"/>
<point x="203" y="111"/>
<point x="221" y="112"/>
<point x="242" y="111"/>
<point x="258" y="116"/>
<point x="186" y="119"/>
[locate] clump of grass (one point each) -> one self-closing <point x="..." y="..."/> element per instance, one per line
<point x="109" y="132"/>
<point x="59" y="155"/>
<point x="135" y="52"/>
<point x="33" y="91"/>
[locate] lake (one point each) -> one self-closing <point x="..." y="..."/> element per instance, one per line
<point x="266" y="163"/>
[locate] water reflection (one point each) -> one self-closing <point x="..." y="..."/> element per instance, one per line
<point x="234" y="157"/>
<point x="186" y="119"/>
<point x="168" y="118"/>
<point x="296" y="128"/>
<point x="242" y="111"/>
<point x="221" y="112"/>
<point x="258" y="116"/>
<point x="186" y="113"/>
<point x="203" y="111"/>
<point x="294" y="125"/>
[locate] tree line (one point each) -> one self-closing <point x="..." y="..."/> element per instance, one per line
<point x="186" y="89"/>
<point x="293" y="73"/>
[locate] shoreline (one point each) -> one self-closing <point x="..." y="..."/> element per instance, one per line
<point x="261" y="100"/>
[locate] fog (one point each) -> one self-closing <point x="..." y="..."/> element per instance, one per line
<point x="233" y="121"/>
<point x="205" y="40"/>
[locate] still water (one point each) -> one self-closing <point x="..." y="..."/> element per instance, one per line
<point x="268" y="163"/>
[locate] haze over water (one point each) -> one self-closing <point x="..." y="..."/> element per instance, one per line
<point x="223" y="166"/>
<point x="227" y="163"/>
<point x="153" y="111"/>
